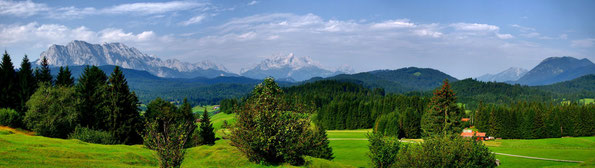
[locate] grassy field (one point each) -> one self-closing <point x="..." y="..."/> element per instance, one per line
<point x="350" y="147"/>
<point x="587" y="101"/>
<point x="579" y="149"/>
<point x="200" y="109"/>
<point x="17" y="149"/>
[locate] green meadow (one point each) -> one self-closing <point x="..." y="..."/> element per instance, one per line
<point x="19" y="149"/>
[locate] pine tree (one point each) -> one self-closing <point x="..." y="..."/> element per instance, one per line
<point x="124" y="121"/>
<point x="186" y="111"/>
<point x="206" y="129"/>
<point x="64" y="78"/>
<point x="320" y="147"/>
<point x="8" y="95"/>
<point x="91" y="90"/>
<point x="443" y="115"/>
<point x="27" y="85"/>
<point x="43" y="74"/>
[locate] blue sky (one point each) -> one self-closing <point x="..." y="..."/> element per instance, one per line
<point x="461" y="38"/>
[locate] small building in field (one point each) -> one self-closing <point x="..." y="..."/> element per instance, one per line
<point x="216" y="107"/>
<point x="470" y="133"/>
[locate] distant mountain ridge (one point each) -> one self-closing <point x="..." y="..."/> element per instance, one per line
<point x="557" y="69"/>
<point x="83" y="53"/>
<point x="288" y="68"/>
<point x="510" y="74"/>
<point x="396" y="81"/>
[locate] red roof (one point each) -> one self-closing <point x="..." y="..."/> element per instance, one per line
<point x="470" y="134"/>
<point x="464" y="119"/>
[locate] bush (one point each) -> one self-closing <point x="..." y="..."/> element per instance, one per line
<point x="447" y="151"/>
<point x="52" y="111"/>
<point x="9" y="117"/>
<point x="383" y="150"/>
<point x="168" y="138"/>
<point x="93" y="136"/>
<point x="270" y="131"/>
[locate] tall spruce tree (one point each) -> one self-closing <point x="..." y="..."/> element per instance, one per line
<point x="124" y="120"/>
<point x="91" y="90"/>
<point x="206" y="129"/>
<point x="8" y="94"/>
<point x="319" y="146"/>
<point x="64" y="78"/>
<point x="27" y="85"/>
<point x="186" y="111"/>
<point x="43" y="74"/>
<point x="443" y="115"/>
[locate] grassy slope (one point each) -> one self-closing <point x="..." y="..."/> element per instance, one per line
<point x="579" y="149"/>
<point x="200" y="109"/>
<point x="350" y="147"/>
<point x="17" y="149"/>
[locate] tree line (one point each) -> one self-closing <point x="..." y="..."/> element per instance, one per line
<point x="531" y="120"/>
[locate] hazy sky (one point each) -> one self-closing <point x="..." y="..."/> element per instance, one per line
<point x="461" y="38"/>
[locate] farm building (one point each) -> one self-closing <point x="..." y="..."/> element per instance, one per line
<point x="470" y="133"/>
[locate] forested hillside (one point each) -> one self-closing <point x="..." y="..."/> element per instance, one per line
<point x="397" y="81"/>
<point x="199" y="90"/>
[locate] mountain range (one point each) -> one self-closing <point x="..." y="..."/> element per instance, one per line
<point x="289" y="68"/>
<point x="83" y="53"/>
<point x="557" y="69"/>
<point x="510" y="74"/>
<point x="550" y="70"/>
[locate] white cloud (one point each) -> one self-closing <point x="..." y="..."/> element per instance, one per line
<point x="29" y="8"/>
<point x="194" y="20"/>
<point x="474" y="27"/>
<point x="152" y="7"/>
<point x="332" y="42"/>
<point x="523" y="28"/>
<point x="21" y="8"/>
<point x="427" y="32"/>
<point x="504" y="36"/>
<point x="252" y="3"/>
<point x="584" y="43"/>
<point x="390" y="24"/>
<point x="37" y="37"/>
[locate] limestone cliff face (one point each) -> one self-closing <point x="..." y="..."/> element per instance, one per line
<point x="83" y="53"/>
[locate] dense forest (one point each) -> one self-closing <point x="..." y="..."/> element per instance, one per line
<point x="535" y="120"/>
<point x="344" y="104"/>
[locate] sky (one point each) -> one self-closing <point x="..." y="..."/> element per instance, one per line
<point x="461" y="38"/>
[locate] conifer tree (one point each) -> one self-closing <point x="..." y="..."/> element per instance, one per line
<point x="124" y="121"/>
<point x="186" y="111"/>
<point x="27" y="85"/>
<point x="320" y="147"/>
<point x="43" y="74"/>
<point x="91" y="90"/>
<point x="206" y="129"/>
<point x="64" y="78"/>
<point x="443" y="115"/>
<point x="8" y="85"/>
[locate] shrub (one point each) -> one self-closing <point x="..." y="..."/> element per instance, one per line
<point x="168" y="138"/>
<point x="9" y="117"/>
<point x="93" y="136"/>
<point x="447" y="151"/>
<point x="383" y="150"/>
<point x="52" y="111"/>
